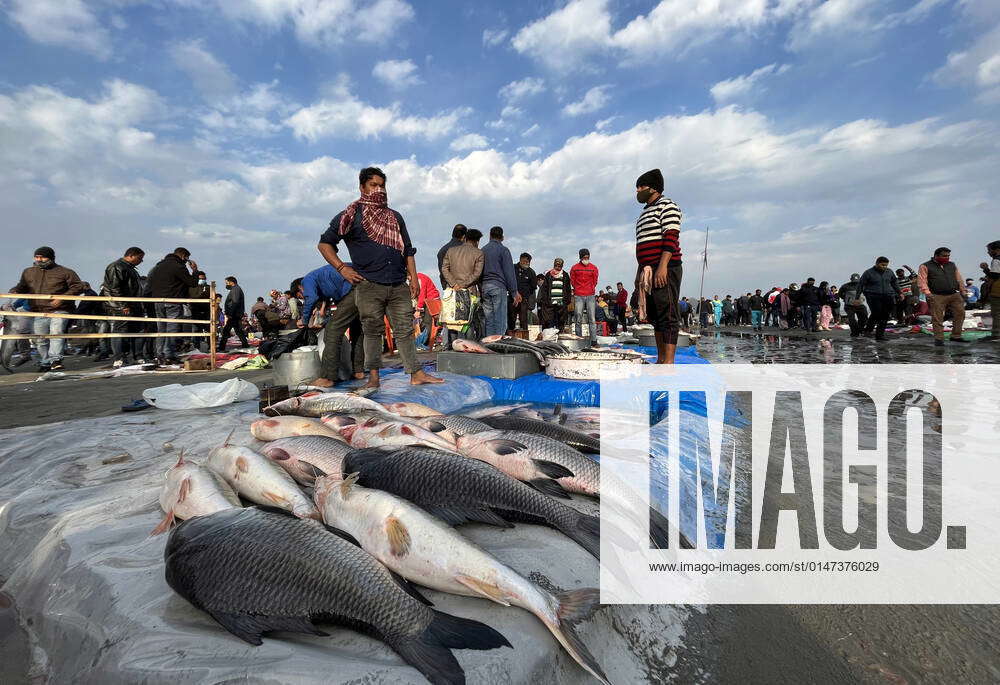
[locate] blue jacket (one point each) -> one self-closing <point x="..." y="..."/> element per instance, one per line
<point x="498" y="266"/>
<point x="377" y="263"/>
<point x="875" y="282"/>
<point x="324" y="283"/>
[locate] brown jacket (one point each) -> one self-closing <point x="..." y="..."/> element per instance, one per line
<point x="52" y="281"/>
<point x="463" y="266"/>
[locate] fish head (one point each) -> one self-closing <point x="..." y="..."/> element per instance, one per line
<point x="275" y="452"/>
<point x="338" y="420"/>
<point x="261" y="428"/>
<point x="284" y="407"/>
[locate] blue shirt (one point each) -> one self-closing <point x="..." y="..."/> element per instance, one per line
<point x="324" y="283"/>
<point x="973" y="293"/>
<point x="498" y="266"/>
<point x="377" y="263"/>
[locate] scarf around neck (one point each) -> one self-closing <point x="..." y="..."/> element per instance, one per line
<point x="377" y="219"/>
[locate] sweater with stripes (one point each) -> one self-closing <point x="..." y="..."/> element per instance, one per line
<point x="657" y="230"/>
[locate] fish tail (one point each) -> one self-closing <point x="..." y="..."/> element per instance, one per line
<point x="431" y="652"/>
<point x="585" y="530"/>
<point x="570" y="608"/>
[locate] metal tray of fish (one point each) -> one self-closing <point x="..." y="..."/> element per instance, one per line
<point x="509" y="366"/>
<point x="593" y="365"/>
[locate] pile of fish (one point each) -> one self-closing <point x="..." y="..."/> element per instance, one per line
<point x="357" y="500"/>
<point x="504" y="344"/>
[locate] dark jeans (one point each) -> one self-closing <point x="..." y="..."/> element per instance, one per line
<point x="809" y="312"/>
<point x="995" y="313"/>
<point x="552" y="316"/>
<point x="345" y="318"/>
<point x="881" y="306"/>
<point x="662" y="308"/>
<point x="857" y="319"/>
<point x="167" y="347"/>
<point x="376" y="301"/>
<point x="234" y="324"/>
<point x="517" y="313"/>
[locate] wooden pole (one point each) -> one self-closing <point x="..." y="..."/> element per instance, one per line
<point x="212" y="326"/>
<point x="57" y="315"/>
<point x="99" y="298"/>
<point x="84" y="336"/>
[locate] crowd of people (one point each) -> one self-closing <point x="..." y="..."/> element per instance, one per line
<point x="380" y="300"/>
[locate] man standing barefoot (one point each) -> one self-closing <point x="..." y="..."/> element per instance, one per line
<point x="382" y="258"/>
<point x="657" y="249"/>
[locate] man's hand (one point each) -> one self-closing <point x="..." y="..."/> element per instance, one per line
<point x="126" y="311"/>
<point x="414" y="290"/>
<point x="193" y="265"/>
<point x="517" y="299"/>
<point x="299" y="324"/>
<point x="350" y="275"/>
<point x="660" y="277"/>
<point x="57" y="304"/>
<point x="636" y="284"/>
<point x="983" y="265"/>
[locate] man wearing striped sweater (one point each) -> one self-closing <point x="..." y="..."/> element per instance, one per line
<point x="657" y="248"/>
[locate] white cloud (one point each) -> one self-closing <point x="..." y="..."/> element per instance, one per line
<point x="515" y="91"/>
<point x="397" y="73"/>
<point x="493" y="37"/>
<point x="531" y="130"/>
<point x="342" y="115"/>
<point x="257" y="111"/>
<point x="316" y="22"/>
<point x="568" y="35"/>
<point x="66" y="23"/>
<point x="529" y="151"/>
<point x="212" y="78"/>
<point x="470" y="141"/>
<point x="222" y="234"/>
<point x="604" y="124"/>
<point x="739" y="86"/>
<point x="594" y="99"/>
<point x="977" y="67"/>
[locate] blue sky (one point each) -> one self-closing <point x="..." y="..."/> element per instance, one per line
<point x="810" y="136"/>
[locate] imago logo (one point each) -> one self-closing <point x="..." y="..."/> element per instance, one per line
<point x="801" y="483"/>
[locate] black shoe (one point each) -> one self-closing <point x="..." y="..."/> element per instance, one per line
<point x="173" y="360"/>
<point x="56" y="366"/>
<point x="939" y="343"/>
<point x="960" y="340"/>
<point x="44" y="368"/>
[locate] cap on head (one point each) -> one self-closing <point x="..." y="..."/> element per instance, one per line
<point x="46" y="252"/>
<point x="652" y="178"/>
<point x="810" y="280"/>
<point x="584" y="252"/>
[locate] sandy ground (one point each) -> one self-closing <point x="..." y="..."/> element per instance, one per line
<point x="729" y="644"/>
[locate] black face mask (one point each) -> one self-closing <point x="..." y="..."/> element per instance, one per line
<point x="642" y="196"/>
<point x="228" y="287"/>
<point x="47" y="264"/>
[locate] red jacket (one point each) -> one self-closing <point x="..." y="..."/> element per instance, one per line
<point x="427" y="291"/>
<point x="583" y="278"/>
<point x="622" y="299"/>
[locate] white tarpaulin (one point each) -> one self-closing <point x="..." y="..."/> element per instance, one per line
<point x="83" y="597"/>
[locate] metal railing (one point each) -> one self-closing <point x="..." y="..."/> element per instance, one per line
<point x="212" y="321"/>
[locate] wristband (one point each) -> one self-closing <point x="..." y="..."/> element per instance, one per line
<point x="340" y="267"/>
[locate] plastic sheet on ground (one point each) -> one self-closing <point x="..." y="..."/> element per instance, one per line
<point x="540" y="387"/>
<point x="200" y="395"/>
<point x="456" y="392"/>
<point x="83" y="597"/>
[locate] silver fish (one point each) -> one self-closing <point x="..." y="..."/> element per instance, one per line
<point x="279" y="427"/>
<point x="193" y="490"/>
<point x="321" y="403"/>
<point x="307" y="457"/>
<point x="259" y="480"/>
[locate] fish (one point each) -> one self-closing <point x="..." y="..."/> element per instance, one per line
<point x="260" y="570"/>
<point x="412" y="410"/>
<point x="505" y="347"/>
<point x="455" y="424"/>
<point x="463" y="345"/>
<point x="425" y="550"/>
<point x="279" y="427"/>
<point x="321" y="403"/>
<point x="259" y="479"/>
<point x="516" y="460"/>
<point x="458" y="490"/>
<point x="480" y="412"/>
<point x="379" y="433"/>
<point x="575" y="439"/>
<point x="192" y="490"/>
<point x="527" y="414"/>
<point x="585" y="478"/>
<point x="307" y="457"/>
<point x="339" y="419"/>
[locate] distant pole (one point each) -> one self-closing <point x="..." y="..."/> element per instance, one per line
<point x="701" y="290"/>
<point x="212" y="326"/>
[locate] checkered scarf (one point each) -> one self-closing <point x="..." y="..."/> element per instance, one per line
<point x="377" y="219"/>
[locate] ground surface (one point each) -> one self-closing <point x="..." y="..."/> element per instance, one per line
<point x="762" y="644"/>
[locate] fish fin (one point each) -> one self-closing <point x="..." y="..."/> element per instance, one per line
<point x="278" y="454"/>
<point x="274" y="497"/>
<point x="180" y="459"/>
<point x="549" y="487"/>
<point x="455" y="632"/>
<point x="229" y="437"/>
<point x="455" y="515"/>
<point x="487" y="590"/>
<point x="399" y="536"/>
<point x="586" y="532"/>
<point x="348" y="483"/>
<point x="580" y="446"/>
<point x="184" y="489"/>
<point x="410" y="589"/>
<point x="434" y="426"/>
<point x="557" y="410"/>
<point x="572" y="607"/>
<point x="241" y="465"/>
<point x="562" y="419"/>
<point x="373" y="421"/>
<point x="552" y="469"/>
<point x="503" y="447"/>
<point x="250" y="628"/>
<point x="164" y="525"/>
<point x="311" y="470"/>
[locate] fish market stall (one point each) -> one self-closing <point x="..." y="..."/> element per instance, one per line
<point x="83" y="595"/>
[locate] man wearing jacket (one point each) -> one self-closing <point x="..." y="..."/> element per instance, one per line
<point x="809" y="304"/>
<point x="234" y="309"/>
<point x="942" y="284"/>
<point x="756" y="303"/>
<point x="525" y="277"/>
<point x="991" y="286"/>
<point x="462" y="269"/>
<point x="553" y="296"/>
<point x="316" y="288"/>
<point x="621" y="303"/>
<point x="583" y="275"/>
<point x="881" y="289"/>
<point x="854" y="305"/>
<point x="498" y="283"/>
<point x="122" y="280"/>
<point x="457" y="238"/>
<point x="170" y="278"/>
<point x="45" y="277"/>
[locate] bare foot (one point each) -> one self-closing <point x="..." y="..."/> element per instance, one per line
<point x="322" y="383"/>
<point x="422" y="377"/>
<point x="359" y="376"/>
